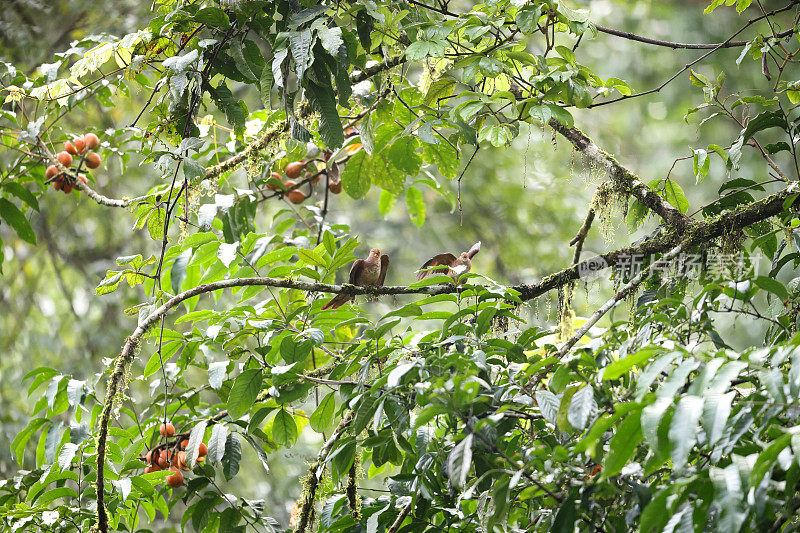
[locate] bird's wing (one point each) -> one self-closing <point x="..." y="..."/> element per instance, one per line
<point x="384" y="268"/>
<point x="444" y="260"/>
<point x="474" y="250"/>
<point x="355" y="271"/>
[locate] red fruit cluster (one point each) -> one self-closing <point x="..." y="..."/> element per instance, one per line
<point x="292" y="176"/>
<point x="172" y="456"/>
<point x="76" y="148"/>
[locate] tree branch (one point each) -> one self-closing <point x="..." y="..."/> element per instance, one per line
<point x="624" y="178"/>
<point x="580" y="238"/>
<point x="675" y="45"/>
<point x="689" y="65"/>
<point x="315" y="473"/>
<point x="265" y="139"/>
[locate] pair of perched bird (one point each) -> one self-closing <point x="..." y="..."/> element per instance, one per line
<point x="372" y="270"/>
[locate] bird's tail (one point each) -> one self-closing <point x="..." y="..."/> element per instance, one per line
<point x="337" y="301"/>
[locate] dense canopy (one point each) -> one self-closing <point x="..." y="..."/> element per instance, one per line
<point x="395" y="266"/>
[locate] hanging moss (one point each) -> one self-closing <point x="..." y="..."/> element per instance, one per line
<point x="566" y="315"/>
<point x="608" y="203"/>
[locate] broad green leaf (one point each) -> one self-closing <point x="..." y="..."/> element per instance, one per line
<point x="683" y="429"/>
<point x="14" y="217"/>
<point x="216" y="444"/>
<point x="232" y="457"/>
<point x="284" y="428"/>
<point x="195" y="438"/>
<point x="616" y="369"/>
<point x="322" y="416"/>
<point x="459" y="461"/>
<point x="357" y="175"/>
<point x="622" y="445"/>
<point x="244" y="392"/>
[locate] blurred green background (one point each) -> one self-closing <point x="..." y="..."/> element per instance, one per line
<point x="524" y="203"/>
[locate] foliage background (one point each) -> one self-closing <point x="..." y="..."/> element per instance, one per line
<point x="525" y="203"/>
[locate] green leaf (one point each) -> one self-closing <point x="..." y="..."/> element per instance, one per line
<point x="673" y="193"/>
<point x="232" y="457"/>
<point x="195" y="438"/>
<point x="323" y="100"/>
<point x="294" y="350"/>
<point x="386" y="202"/>
<point x="14" y="217"/>
<point x="765" y="120"/>
<point x="213" y="16"/>
<point x="217" y="442"/>
<point x="564" y="522"/>
<point x="416" y="206"/>
<point x="356" y="177"/>
<point x="623" y="445"/>
<point x="284" y="429"/>
<point x="773" y="286"/>
<point x="683" y="429"/>
<point x="235" y="110"/>
<point x="244" y="392"/>
<point x="322" y="416"/>
<point x="441" y="88"/>
<point x="421" y="49"/>
<point x="618" y="368"/>
<point x="767" y="458"/>
<point x="178" y="272"/>
<point x="582" y="407"/>
<point x="311" y="257"/>
<point x="459" y="462"/>
<point x="22" y="193"/>
<point x="300" y="47"/>
<point x="193" y="171"/>
<point x="527" y="18"/>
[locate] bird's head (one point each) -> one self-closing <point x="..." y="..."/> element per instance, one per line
<point x="375" y="252"/>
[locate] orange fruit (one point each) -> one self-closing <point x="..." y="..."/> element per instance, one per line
<point x="175" y="479"/>
<point x="296" y="196"/>
<point x="151" y="468"/>
<point x="167" y="431"/>
<point x="180" y="460"/>
<point x="70" y="148"/>
<point x="67" y="188"/>
<point x="64" y="158"/>
<point x="91" y="141"/>
<point x="92" y="160"/>
<point x="293" y="170"/>
<point x="80" y="144"/>
<point x="51" y="172"/>
<point x="335" y="187"/>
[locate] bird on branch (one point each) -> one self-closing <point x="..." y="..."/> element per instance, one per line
<point x="449" y="265"/>
<point x="369" y="272"/>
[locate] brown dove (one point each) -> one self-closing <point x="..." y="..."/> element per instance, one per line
<point x="365" y="272"/>
<point x="449" y="264"/>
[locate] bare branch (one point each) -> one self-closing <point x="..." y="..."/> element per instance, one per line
<point x="675" y="45"/>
